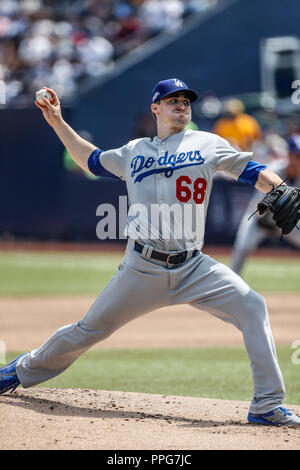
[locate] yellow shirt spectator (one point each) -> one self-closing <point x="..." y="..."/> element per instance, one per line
<point x="240" y="129"/>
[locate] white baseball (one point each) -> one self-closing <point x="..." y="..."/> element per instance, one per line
<point x="41" y="94"/>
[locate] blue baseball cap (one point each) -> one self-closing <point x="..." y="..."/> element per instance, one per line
<point x="167" y="87"/>
<point x="294" y="144"/>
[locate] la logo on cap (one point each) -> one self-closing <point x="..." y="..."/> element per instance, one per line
<point x="178" y="83"/>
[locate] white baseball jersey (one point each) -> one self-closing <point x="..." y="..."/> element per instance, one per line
<point x="169" y="182"/>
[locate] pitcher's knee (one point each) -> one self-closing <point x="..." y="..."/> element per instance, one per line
<point x="255" y="306"/>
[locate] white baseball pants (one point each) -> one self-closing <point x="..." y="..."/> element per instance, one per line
<point x="141" y="286"/>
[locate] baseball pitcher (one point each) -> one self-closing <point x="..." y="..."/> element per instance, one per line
<point x="163" y="263"/>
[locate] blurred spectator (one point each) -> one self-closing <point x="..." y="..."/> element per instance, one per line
<point x="239" y="128"/>
<point x="271" y="147"/>
<point x="61" y="44"/>
<point x="294" y="124"/>
<point x="161" y="15"/>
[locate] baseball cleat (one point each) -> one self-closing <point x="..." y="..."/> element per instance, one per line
<point x="8" y="376"/>
<point x="277" y="417"/>
<point x="8" y="382"/>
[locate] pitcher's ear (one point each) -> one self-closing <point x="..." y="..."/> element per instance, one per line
<point x="154" y="107"/>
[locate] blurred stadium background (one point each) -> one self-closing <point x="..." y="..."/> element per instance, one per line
<point x="103" y="59"/>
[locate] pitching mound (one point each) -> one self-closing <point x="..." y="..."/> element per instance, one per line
<point x="95" y="419"/>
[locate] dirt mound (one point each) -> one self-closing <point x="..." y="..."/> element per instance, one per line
<point x="95" y="419"/>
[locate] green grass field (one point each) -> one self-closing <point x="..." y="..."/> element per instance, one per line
<point x="68" y="273"/>
<point x="199" y="372"/>
<point x="203" y="372"/>
<point x="55" y="273"/>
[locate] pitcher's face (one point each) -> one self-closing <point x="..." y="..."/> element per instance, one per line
<point x="174" y="110"/>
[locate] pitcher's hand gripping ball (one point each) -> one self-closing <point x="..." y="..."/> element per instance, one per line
<point x="284" y="204"/>
<point x="41" y="94"/>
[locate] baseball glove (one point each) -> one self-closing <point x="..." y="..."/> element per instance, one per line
<point x="284" y="204"/>
<point x="266" y="222"/>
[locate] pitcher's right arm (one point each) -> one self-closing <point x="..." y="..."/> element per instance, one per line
<point x="79" y="148"/>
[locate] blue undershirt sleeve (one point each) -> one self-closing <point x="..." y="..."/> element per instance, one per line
<point x="95" y="166"/>
<point x="251" y="172"/>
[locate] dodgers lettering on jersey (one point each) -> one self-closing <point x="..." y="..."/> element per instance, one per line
<point x="169" y="182"/>
<point x="166" y="164"/>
